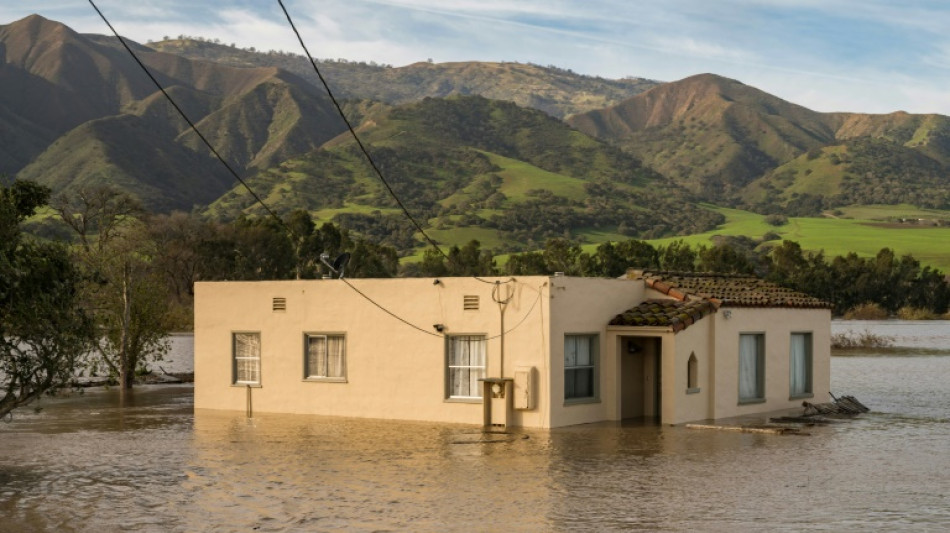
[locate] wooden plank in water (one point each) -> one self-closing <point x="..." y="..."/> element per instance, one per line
<point x="746" y="429"/>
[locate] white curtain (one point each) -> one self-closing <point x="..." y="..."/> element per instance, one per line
<point x="798" y="360"/>
<point x="749" y="367"/>
<point x="466" y="365"/>
<point x="325" y="356"/>
<point x="247" y="357"/>
<point x="335" y="359"/>
<point x="316" y="356"/>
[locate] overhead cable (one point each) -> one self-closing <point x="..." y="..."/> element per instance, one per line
<point x="356" y="137"/>
<point x="188" y="120"/>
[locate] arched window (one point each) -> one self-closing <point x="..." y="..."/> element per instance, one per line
<point x="692" y="374"/>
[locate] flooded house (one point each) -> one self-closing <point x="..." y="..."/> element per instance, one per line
<point x="533" y="351"/>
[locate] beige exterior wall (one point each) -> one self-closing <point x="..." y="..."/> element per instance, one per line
<point x="399" y="371"/>
<point x="585" y="306"/>
<point x="392" y="369"/>
<point x="693" y="403"/>
<point x="777" y="326"/>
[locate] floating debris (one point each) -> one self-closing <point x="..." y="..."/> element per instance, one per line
<point x="845" y="405"/>
<point x="752" y="428"/>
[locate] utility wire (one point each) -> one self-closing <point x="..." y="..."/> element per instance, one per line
<point x="188" y="120"/>
<point x="362" y="147"/>
<point x="356" y="137"/>
<point x="388" y="312"/>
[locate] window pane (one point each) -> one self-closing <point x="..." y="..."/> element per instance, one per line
<point x="316" y="356"/>
<point x="335" y="357"/>
<point x="584" y="383"/>
<point x="583" y="351"/>
<point x="247" y="357"/>
<point x="749" y="371"/>
<point x="570" y="351"/>
<point x="466" y="361"/>
<point x="799" y="355"/>
<point x="580" y="359"/>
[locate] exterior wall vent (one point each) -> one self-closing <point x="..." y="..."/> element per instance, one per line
<point x="280" y="304"/>
<point x="470" y="303"/>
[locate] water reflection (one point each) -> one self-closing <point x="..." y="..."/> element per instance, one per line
<point x="88" y="463"/>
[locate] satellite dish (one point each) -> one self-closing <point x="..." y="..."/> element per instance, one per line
<point x="340" y="263"/>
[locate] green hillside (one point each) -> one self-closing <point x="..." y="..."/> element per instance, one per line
<point x="469" y="167"/>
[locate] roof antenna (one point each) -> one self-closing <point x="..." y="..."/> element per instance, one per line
<point x="338" y="265"/>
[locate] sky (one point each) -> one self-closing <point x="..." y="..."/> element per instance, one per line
<point x="871" y="56"/>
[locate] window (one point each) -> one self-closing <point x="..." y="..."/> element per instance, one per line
<point x="247" y="358"/>
<point x="466" y="365"/>
<point x="580" y="357"/>
<point x="799" y="382"/>
<point x="325" y="357"/>
<point x="751" y="367"/>
<point x="692" y="374"/>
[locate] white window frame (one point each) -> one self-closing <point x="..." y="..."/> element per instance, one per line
<point x="758" y="394"/>
<point x="804" y="366"/>
<point x="236" y="358"/>
<point x="453" y="370"/>
<point x="339" y="376"/>
<point x="571" y="367"/>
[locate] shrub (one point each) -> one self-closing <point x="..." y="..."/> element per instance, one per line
<point x="865" y="339"/>
<point x="776" y="219"/>
<point x="866" y="311"/>
<point x="915" y="313"/>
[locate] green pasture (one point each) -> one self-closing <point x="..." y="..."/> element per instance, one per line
<point x="520" y="177"/>
<point x="839" y="236"/>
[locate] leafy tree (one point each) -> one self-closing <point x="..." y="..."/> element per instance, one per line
<point x="44" y="332"/>
<point x="677" y="256"/>
<point x="469" y="260"/>
<point x="123" y="286"/>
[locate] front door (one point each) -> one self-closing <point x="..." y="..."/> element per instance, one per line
<point x="640" y="377"/>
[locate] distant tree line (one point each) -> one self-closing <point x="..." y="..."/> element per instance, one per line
<point x="893" y="283"/>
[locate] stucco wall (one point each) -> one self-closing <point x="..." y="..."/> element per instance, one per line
<point x="392" y="370"/>
<point x="686" y="404"/>
<point x="582" y="306"/>
<point x="776" y="325"/>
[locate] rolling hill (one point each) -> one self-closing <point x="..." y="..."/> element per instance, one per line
<point x="734" y="144"/>
<point x="475" y="150"/>
<point x="517" y="175"/>
<point x="78" y="111"/>
<point x="556" y="91"/>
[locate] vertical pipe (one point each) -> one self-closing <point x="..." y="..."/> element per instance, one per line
<point x="250" y="410"/>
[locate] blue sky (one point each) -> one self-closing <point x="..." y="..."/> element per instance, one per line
<point x="874" y="56"/>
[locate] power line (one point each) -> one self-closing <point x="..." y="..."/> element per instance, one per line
<point x="362" y="147"/>
<point x="387" y="311"/>
<point x="188" y="120"/>
<point x="356" y="137"/>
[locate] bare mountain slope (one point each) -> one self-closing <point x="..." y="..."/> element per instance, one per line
<point x="56" y="80"/>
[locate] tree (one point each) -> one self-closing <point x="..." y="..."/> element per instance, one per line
<point x="44" y="332"/>
<point x="677" y="256"/>
<point x="123" y="286"/>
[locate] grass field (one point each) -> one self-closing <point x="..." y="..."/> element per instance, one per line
<point x="838" y="236"/>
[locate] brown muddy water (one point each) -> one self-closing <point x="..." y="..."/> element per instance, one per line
<point x="92" y="463"/>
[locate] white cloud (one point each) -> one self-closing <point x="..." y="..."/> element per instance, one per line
<point x="872" y="55"/>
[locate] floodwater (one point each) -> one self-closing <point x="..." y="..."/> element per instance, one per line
<point x="93" y="463"/>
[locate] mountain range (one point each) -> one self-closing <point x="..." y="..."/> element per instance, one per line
<point x="508" y="153"/>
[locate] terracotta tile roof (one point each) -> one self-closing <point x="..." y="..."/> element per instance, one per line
<point x="730" y="290"/>
<point x="662" y="312"/>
